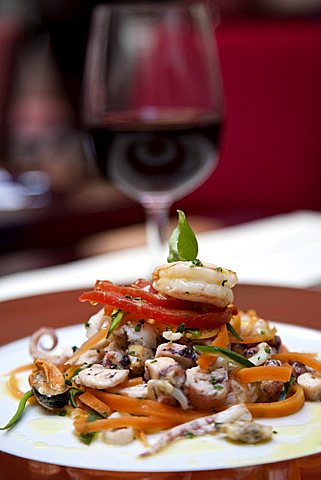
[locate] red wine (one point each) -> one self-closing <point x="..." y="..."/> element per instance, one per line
<point x="144" y="157"/>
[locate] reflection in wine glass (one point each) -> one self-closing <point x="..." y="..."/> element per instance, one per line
<point x="153" y="103"/>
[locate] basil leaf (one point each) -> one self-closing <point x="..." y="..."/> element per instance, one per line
<point x="183" y="244"/>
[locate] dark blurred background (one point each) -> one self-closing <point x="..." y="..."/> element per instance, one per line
<point x="55" y="208"/>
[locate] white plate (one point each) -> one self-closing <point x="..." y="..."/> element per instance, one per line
<point x="49" y="438"/>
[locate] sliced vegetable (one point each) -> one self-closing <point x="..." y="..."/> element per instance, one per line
<point x="233" y="357"/>
<point x="183" y="242"/>
<point x="286" y="388"/>
<point x="233" y="332"/>
<point x="146" y="310"/>
<point x="116" y="318"/>
<point x="90" y="343"/>
<point x="264" y="372"/>
<point x="222" y="338"/>
<point x="206" y="361"/>
<point x="304" y="358"/>
<point x="282" y="408"/>
<point x="21" y="407"/>
<point x="137" y="293"/>
<point x="258" y="338"/>
<point x="137" y="406"/>
<point x="95" y="404"/>
<point x="147" y="423"/>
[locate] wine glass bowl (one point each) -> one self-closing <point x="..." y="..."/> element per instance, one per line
<point x="153" y="102"/>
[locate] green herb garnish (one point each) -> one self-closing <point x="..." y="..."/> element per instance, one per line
<point x="183" y="244"/>
<point x="189" y="435"/>
<point x="233" y="357"/>
<point x="196" y="263"/>
<point x="87" y="438"/>
<point x="286" y="388"/>
<point x="233" y="332"/>
<point x="116" y="318"/>
<point x="21" y="407"/>
<point x="73" y="392"/>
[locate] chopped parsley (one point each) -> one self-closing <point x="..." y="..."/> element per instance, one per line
<point x="138" y="327"/>
<point x="189" y="435"/>
<point x="196" y="263"/>
<point x="216" y="384"/>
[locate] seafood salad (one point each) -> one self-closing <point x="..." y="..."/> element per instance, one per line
<point x="171" y="354"/>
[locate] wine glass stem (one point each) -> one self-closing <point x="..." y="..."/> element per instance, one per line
<point x="157" y="218"/>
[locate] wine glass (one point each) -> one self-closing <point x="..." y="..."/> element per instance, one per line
<point x="153" y="103"/>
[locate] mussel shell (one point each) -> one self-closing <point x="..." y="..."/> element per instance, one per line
<point x="52" y="402"/>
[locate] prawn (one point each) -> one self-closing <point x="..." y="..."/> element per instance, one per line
<point x="206" y="282"/>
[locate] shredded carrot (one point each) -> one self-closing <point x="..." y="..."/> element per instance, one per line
<point x="90" y="343"/>
<point x="141" y="436"/>
<point x="264" y="372"/>
<point x="137" y="406"/>
<point x="258" y="338"/>
<point x="206" y="360"/>
<point x="70" y="371"/>
<point x="282" y="408"/>
<point x="304" y="358"/>
<point x="95" y="404"/>
<point x="142" y="423"/>
<point x="205" y="333"/>
<point x="222" y="339"/>
<point x="12" y="385"/>
<point x="251" y="322"/>
<point x="22" y="368"/>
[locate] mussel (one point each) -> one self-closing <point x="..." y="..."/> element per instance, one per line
<point x="48" y="385"/>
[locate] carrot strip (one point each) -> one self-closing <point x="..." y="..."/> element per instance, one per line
<point x="12" y="385"/>
<point x="139" y="422"/>
<point x="304" y="358"/>
<point x="222" y="339"/>
<point x="251" y="322"/>
<point x="282" y="408"/>
<point x="90" y="343"/>
<point x="264" y="337"/>
<point x="95" y="404"/>
<point x="206" y="360"/>
<point x="264" y="372"/>
<point x="146" y="407"/>
<point x="22" y="368"/>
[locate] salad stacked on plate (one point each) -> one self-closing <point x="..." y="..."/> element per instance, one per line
<point x="172" y="353"/>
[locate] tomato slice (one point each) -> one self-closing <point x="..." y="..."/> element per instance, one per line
<point x="149" y="296"/>
<point x="120" y="298"/>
